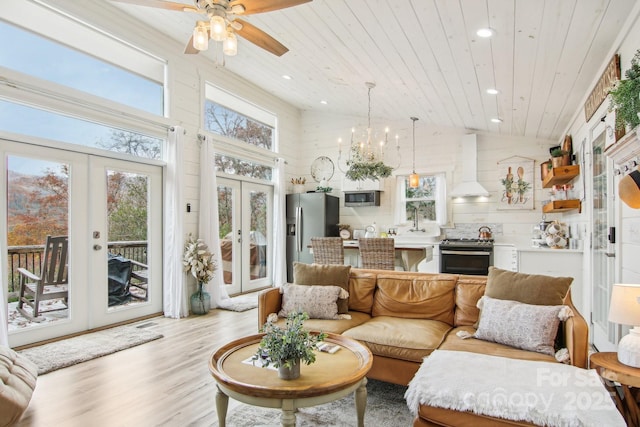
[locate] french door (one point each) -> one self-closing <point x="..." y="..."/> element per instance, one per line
<point x="603" y="256"/>
<point x="245" y="216"/>
<point x="108" y="209"/>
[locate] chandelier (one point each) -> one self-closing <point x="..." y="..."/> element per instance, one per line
<point x="366" y="156"/>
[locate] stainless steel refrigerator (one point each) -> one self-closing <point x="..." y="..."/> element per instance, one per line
<point x="309" y="215"/>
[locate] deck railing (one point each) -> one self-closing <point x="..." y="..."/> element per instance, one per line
<point x="30" y="258"/>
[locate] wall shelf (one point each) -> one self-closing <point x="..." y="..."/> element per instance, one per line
<point x="562" y="206"/>
<point x="561" y="175"/>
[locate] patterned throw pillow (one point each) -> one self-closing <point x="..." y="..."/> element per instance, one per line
<point x="524" y="326"/>
<point x="326" y="275"/>
<point x="319" y="302"/>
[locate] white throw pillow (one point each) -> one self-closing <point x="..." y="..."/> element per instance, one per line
<point x="319" y="302"/>
<point x="524" y="326"/>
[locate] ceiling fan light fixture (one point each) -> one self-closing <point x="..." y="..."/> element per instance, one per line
<point x="218" y="28"/>
<point x="238" y="9"/>
<point x="230" y="45"/>
<point x="200" y="36"/>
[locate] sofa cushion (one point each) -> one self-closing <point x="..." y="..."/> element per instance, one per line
<point x="319" y="302"/>
<point x="362" y="285"/>
<point x="469" y="289"/>
<point x="332" y="326"/>
<point x="406" y="339"/>
<point x="324" y="275"/>
<point x="415" y="296"/>
<point x="18" y="377"/>
<point x="454" y="342"/>
<point x="525" y="326"/>
<point x="527" y="288"/>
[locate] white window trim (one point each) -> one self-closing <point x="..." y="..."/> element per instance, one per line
<point x="400" y="216"/>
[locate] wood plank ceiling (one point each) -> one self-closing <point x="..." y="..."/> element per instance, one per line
<point x="426" y="59"/>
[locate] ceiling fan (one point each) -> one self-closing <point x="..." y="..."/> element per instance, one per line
<point x="222" y="24"/>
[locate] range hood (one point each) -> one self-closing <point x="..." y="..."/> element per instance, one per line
<point x="469" y="187"/>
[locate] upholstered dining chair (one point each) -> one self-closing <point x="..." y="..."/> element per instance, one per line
<point x="377" y="253"/>
<point x="327" y="250"/>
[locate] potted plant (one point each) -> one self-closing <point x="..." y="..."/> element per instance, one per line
<point x="199" y="262"/>
<point x="361" y="168"/>
<point x="286" y="348"/>
<point x="624" y="96"/>
<point x="559" y="157"/>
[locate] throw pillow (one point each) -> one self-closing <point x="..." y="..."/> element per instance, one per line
<point x="527" y="288"/>
<point x="319" y="302"/>
<point x="524" y="326"/>
<point x="324" y="275"/>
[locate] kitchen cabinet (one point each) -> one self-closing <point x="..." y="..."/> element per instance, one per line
<point x="561" y="176"/>
<point x="505" y="257"/>
<point x="557" y="263"/>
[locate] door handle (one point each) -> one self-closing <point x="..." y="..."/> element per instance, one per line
<point x="97" y="247"/>
<point x="610" y="254"/>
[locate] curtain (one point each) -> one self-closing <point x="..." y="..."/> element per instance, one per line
<point x="4" y="325"/>
<point x="208" y="227"/>
<point x="175" y="298"/>
<point x="279" y="229"/>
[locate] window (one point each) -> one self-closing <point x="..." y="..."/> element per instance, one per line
<point x="230" y="116"/>
<point x="234" y="166"/>
<point x="20" y="119"/>
<point x="428" y="201"/>
<point x="140" y="87"/>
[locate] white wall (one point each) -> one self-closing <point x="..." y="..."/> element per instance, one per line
<point x="438" y="149"/>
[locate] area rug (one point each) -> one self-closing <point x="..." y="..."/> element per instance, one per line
<point x="386" y="407"/>
<point x="240" y="303"/>
<point x="68" y="352"/>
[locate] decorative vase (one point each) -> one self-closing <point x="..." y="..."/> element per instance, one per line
<point x="289" y="373"/>
<point x="298" y="188"/>
<point x="200" y="301"/>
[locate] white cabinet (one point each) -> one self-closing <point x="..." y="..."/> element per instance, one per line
<point x="558" y="263"/>
<point x="363" y="185"/>
<point x="505" y="257"/>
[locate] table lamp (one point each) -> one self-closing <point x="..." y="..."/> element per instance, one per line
<point x="625" y="309"/>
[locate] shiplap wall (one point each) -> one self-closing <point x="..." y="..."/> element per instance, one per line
<point x="438" y="149"/>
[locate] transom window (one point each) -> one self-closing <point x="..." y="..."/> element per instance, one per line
<point x="252" y="125"/>
<point x="234" y="166"/>
<point x="34" y="55"/>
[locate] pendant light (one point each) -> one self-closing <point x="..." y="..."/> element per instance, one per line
<point x="414" y="178"/>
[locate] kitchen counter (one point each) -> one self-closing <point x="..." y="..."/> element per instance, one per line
<point x="410" y="254"/>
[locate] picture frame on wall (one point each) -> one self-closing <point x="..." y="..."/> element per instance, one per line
<point x="516" y="178"/>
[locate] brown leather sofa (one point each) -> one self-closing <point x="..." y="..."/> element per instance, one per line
<point x="404" y="316"/>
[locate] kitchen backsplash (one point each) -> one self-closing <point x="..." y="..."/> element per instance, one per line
<point x="470" y="231"/>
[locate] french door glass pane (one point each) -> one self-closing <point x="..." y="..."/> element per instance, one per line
<point x="225" y="215"/>
<point x="127" y="217"/>
<point x="37" y="207"/>
<point x="258" y="235"/>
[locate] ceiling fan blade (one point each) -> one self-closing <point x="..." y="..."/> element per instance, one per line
<point x="258" y="37"/>
<point x="261" y="6"/>
<point x="180" y="7"/>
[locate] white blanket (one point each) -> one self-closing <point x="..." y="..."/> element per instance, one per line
<point x="545" y="393"/>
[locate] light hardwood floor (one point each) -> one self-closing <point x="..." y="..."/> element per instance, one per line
<point x="162" y="383"/>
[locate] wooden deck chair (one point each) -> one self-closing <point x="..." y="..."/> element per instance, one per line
<point x="53" y="282"/>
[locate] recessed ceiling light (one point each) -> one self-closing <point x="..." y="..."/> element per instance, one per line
<point x="323" y="102"/>
<point x="485" y="32"/>
<point x="492" y="91"/>
<point x="496" y="120"/>
<point x="286" y="77"/>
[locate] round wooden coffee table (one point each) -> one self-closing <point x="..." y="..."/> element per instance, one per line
<point x="331" y="377"/>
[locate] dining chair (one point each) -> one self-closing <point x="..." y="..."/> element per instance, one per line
<point x="377" y="253"/>
<point x="327" y="250"/>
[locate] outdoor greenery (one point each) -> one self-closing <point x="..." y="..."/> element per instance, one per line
<point x="624" y="96"/>
<point x="284" y="346"/>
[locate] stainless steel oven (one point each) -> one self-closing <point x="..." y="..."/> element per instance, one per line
<point x="466" y="256"/>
